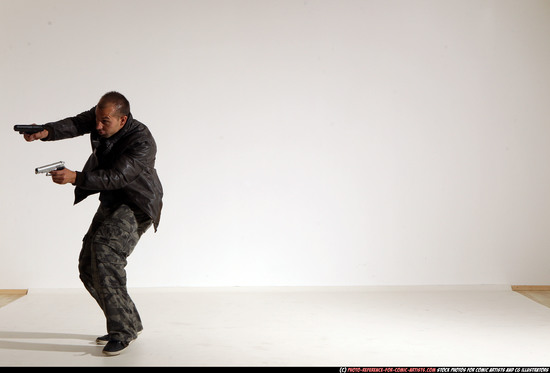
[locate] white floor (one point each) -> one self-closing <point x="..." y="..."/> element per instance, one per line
<point x="486" y="326"/>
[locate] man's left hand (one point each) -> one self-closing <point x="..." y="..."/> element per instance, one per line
<point x="64" y="176"/>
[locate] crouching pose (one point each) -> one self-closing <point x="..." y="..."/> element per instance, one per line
<point x="122" y="170"/>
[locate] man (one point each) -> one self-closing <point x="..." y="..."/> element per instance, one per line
<point x="121" y="169"/>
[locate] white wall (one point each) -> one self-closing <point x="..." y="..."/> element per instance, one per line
<point x="306" y="143"/>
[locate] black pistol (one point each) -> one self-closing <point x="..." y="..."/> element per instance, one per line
<point x="28" y="128"/>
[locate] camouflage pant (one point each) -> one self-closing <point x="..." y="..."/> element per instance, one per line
<point x="113" y="234"/>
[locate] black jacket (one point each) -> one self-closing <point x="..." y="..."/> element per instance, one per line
<point x="123" y="164"/>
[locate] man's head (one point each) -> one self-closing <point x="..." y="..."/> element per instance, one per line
<point x="111" y="114"/>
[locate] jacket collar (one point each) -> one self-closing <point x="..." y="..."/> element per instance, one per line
<point x="127" y="127"/>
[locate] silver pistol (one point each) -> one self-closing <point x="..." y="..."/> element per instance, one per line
<point x="50" y="167"/>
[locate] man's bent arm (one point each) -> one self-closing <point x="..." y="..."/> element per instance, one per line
<point x="125" y="169"/>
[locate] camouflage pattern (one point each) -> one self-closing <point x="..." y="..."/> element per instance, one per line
<point x="113" y="234"/>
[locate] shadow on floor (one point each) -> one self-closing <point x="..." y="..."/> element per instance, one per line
<point x="11" y="340"/>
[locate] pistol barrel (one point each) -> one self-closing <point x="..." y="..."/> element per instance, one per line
<point x="50" y="167"/>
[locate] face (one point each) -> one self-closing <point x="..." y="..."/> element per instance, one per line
<point x="107" y="121"/>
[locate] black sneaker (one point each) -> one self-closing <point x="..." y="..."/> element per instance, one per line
<point x="113" y="348"/>
<point x="103" y="340"/>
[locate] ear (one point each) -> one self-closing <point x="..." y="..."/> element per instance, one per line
<point x="123" y="120"/>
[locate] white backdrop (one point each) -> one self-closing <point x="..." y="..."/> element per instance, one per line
<point x="322" y="142"/>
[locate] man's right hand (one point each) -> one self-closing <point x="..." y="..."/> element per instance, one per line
<point x="36" y="136"/>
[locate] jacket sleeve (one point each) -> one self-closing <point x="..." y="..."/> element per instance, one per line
<point x="127" y="167"/>
<point x="75" y="126"/>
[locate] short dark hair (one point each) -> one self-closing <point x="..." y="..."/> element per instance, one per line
<point x="121" y="103"/>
